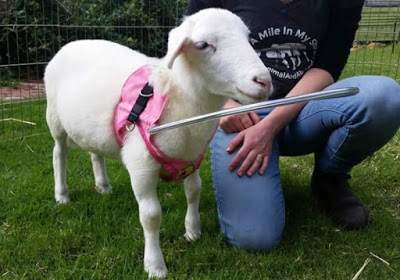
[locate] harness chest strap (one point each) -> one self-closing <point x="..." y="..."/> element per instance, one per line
<point x="141" y="107"/>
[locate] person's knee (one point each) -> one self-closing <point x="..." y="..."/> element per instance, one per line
<point x="383" y="98"/>
<point x="376" y="110"/>
<point x="377" y="106"/>
<point x="260" y="239"/>
<point x="391" y="94"/>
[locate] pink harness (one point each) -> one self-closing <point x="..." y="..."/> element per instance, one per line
<point x="177" y="170"/>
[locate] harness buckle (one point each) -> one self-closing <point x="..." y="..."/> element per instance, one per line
<point x="147" y="91"/>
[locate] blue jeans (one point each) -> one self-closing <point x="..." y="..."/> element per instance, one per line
<point x="340" y="132"/>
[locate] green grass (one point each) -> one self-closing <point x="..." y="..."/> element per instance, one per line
<point x="377" y="61"/>
<point x="100" y="237"/>
<point x="31" y="112"/>
<point x="379" y="24"/>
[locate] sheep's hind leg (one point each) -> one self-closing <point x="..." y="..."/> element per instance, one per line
<point x="59" y="164"/>
<point x="100" y="174"/>
<point x="192" y="219"/>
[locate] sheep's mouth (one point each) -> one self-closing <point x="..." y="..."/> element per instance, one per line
<point x="257" y="98"/>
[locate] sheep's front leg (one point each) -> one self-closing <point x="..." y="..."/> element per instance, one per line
<point x="192" y="219"/>
<point x="144" y="172"/>
<point x="144" y="185"/>
<point x="100" y="174"/>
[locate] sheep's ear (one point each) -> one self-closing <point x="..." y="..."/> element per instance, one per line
<point x="178" y="41"/>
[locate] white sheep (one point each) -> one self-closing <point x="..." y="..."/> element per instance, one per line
<point x="209" y="60"/>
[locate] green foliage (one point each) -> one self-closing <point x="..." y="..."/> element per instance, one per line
<point x="32" y="31"/>
<point x="8" y="78"/>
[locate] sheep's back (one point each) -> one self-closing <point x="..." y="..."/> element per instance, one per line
<point x="84" y="81"/>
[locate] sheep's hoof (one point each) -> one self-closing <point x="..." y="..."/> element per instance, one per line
<point x="62" y="199"/>
<point x="192" y="236"/>
<point x="103" y="189"/>
<point x="159" y="272"/>
<point x="193" y="227"/>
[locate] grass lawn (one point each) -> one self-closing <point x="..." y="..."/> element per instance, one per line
<point x="100" y="237"/>
<point x="18" y="119"/>
<point x="376" y="61"/>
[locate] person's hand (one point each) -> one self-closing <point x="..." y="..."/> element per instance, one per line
<point x="236" y="123"/>
<point x="254" y="153"/>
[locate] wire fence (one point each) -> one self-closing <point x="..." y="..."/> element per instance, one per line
<point x="32" y="31"/>
<point x="376" y="50"/>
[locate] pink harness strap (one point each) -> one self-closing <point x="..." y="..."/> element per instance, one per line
<point x="177" y="170"/>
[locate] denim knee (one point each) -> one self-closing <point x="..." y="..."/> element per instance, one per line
<point x="373" y="117"/>
<point x="251" y="210"/>
<point x="257" y="239"/>
<point x="383" y="100"/>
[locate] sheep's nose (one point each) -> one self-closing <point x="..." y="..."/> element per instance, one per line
<point x="263" y="82"/>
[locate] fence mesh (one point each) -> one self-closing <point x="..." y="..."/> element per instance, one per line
<point x="32" y="31"/>
<point x="376" y="49"/>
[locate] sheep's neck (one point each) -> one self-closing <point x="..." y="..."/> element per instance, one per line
<point x="185" y="99"/>
<point x="187" y="95"/>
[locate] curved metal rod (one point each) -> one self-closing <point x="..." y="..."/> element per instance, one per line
<point x="333" y="93"/>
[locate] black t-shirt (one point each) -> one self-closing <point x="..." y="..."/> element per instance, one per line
<point x="291" y="38"/>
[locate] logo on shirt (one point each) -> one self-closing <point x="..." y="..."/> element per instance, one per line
<point x="288" y="60"/>
<point x="291" y="55"/>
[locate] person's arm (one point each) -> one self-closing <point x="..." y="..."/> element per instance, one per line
<point x="332" y="55"/>
<point x="257" y="140"/>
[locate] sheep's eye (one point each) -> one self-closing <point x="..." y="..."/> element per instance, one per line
<point x="202" y="45"/>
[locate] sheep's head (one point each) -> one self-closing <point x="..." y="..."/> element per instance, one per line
<point x="214" y="44"/>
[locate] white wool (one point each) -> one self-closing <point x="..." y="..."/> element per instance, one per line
<point x="83" y="86"/>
